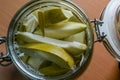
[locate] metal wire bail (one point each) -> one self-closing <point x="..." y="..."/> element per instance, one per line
<point x="97" y="24"/>
<point x="5" y="60"/>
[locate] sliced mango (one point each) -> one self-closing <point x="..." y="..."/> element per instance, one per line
<point x="53" y="70"/>
<point x="51" y="53"/>
<point x="30" y="23"/>
<point x="72" y="47"/>
<point x="36" y="63"/>
<point x="79" y="37"/>
<point x="62" y="30"/>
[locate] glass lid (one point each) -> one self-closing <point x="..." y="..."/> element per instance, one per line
<point x="111" y="28"/>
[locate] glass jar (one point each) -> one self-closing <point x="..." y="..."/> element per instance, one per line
<point x="18" y="20"/>
<point x="102" y="27"/>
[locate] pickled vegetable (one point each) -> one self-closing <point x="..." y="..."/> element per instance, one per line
<point x="79" y="37"/>
<point x="53" y="70"/>
<point x="52" y="40"/>
<point x="30" y="23"/>
<point x="51" y="53"/>
<point x="62" y="30"/>
<point x="73" y="47"/>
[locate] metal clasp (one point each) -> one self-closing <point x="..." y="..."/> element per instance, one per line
<point x="2" y="40"/>
<point x="5" y="60"/>
<point x="97" y="24"/>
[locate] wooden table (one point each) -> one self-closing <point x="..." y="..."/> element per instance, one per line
<point x="102" y="66"/>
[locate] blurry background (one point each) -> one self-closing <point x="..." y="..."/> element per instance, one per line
<point x="102" y="65"/>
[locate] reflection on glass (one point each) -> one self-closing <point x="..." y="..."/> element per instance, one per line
<point x="117" y="22"/>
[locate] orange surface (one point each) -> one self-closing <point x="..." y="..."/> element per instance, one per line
<point x="102" y="65"/>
